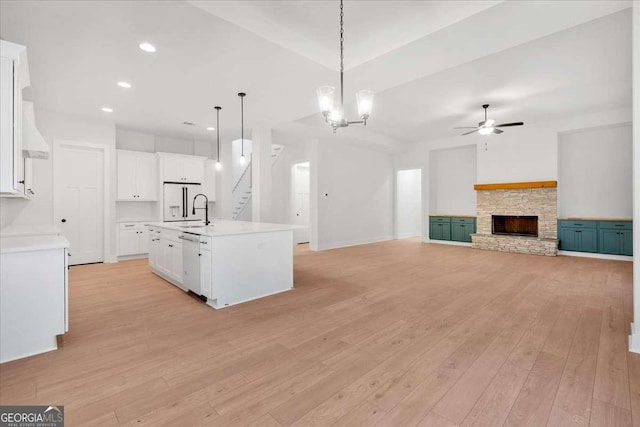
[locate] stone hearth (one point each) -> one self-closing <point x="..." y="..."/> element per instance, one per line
<point x="540" y="201"/>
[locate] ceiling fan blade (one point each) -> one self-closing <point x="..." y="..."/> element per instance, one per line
<point x="467" y="133"/>
<point x="504" y="125"/>
<point x="497" y="131"/>
<point x="466" y="127"/>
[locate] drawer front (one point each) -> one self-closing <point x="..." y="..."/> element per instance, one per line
<point x="440" y="219"/>
<point x="130" y="225"/>
<point x="577" y="223"/>
<point x="459" y="220"/>
<point x="615" y="225"/>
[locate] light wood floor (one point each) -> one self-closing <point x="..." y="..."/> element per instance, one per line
<point x="391" y="334"/>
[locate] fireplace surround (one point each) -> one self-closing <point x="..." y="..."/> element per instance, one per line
<point x="517" y="217"/>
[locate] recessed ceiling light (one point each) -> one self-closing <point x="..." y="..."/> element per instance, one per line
<point x="211" y="128"/>
<point x="147" y="47"/>
<point x="125" y="85"/>
<point x="107" y="110"/>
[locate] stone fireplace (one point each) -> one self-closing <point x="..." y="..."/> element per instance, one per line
<point x="517" y="217"/>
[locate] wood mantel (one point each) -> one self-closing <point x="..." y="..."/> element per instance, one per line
<point x="516" y="185"/>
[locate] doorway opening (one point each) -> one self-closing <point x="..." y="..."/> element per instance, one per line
<point x="300" y="188"/>
<point x="408" y="203"/>
<point x="79" y="199"/>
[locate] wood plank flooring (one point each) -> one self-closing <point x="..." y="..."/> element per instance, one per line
<point x="397" y="333"/>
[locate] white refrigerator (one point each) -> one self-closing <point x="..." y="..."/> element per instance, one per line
<point x="178" y="202"/>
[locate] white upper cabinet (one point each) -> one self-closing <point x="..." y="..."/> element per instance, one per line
<point x="14" y="77"/>
<point x="137" y="176"/>
<point x="182" y="168"/>
<point x="209" y="184"/>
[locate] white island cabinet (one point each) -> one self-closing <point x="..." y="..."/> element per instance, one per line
<point x="225" y="263"/>
<point x="33" y="294"/>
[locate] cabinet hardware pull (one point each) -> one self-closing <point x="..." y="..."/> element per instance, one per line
<point x="170" y="246"/>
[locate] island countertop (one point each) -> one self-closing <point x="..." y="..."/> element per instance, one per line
<point x="221" y="227"/>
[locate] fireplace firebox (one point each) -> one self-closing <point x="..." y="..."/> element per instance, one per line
<point x="514" y="225"/>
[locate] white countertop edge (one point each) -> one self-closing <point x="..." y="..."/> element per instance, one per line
<point x="227" y="228"/>
<point x="119" y="221"/>
<point x="32" y="243"/>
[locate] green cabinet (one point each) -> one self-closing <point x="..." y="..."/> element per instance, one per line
<point x="581" y="236"/>
<point x="462" y="229"/>
<point x="616" y="237"/>
<point x="606" y="237"/>
<point x="439" y="228"/>
<point x="457" y="229"/>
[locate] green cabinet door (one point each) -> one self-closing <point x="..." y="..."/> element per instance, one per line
<point x="569" y="239"/>
<point x="461" y="232"/>
<point x="626" y="238"/>
<point x="440" y="231"/>
<point x="588" y="240"/>
<point x="609" y="241"/>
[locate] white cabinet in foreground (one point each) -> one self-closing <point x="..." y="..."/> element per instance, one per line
<point x="238" y="261"/>
<point x="33" y="301"/>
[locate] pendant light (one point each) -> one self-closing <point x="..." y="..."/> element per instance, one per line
<point x="243" y="159"/>
<point x="334" y="115"/>
<point x="218" y="164"/>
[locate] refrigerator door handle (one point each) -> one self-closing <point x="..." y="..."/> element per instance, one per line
<point x="184" y="202"/>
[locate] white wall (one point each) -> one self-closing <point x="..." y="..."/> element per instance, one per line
<point x="281" y="180"/>
<point x="38" y="212"/>
<point x="354" y="195"/>
<point x="595" y="176"/>
<point x="452" y="176"/>
<point x="408" y="203"/>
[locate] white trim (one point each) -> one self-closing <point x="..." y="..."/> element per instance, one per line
<point x="634" y="340"/>
<point x="596" y="255"/>
<point x="106" y="191"/>
<point x="447" y="242"/>
<point x="357" y="242"/>
<point x="408" y="235"/>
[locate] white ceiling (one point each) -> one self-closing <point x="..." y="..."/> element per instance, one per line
<point x="372" y="28"/>
<point x="432" y="63"/>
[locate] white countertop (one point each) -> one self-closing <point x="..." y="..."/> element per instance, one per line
<point x="31" y="243"/>
<point x="136" y="220"/>
<point x="220" y="227"/>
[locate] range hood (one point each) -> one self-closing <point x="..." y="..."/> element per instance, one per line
<point x="33" y="144"/>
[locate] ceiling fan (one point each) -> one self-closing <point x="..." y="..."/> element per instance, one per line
<point x="488" y="127"/>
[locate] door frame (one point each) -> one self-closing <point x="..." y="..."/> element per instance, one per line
<point x="106" y="190"/>
<point x="395" y="202"/>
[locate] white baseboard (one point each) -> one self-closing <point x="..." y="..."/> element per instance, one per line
<point x="130" y="257"/>
<point x="594" y="255"/>
<point x="358" y="242"/>
<point x="447" y="242"/>
<point x="408" y="235"/>
<point x="634" y="340"/>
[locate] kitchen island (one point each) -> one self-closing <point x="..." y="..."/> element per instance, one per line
<point x="226" y="262"/>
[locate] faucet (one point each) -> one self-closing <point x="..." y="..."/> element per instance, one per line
<point x="206" y="207"/>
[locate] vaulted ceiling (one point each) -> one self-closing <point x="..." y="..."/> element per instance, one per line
<point x="432" y="63"/>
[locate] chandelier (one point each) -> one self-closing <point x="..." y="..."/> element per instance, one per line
<point x="334" y="115"/>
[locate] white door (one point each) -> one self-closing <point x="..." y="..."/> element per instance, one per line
<point x="128" y="242"/>
<point x="194" y="170"/>
<point x="408" y="203"/>
<point x="79" y="200"/>
<point x="300" y="175"/>
<point x="172" y="169"/>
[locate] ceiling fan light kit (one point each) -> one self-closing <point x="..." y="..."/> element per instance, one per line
<point x="488" y="126"/>
<point x="334" y="115"/>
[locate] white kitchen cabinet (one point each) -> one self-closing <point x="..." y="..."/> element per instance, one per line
<point x="166" y="256"/>
<point x="205" y="272"/>
<point x="33" y="301"/>
<point x="137" y="176"/>
<point x="13" y="78"/>
<point x="182" y="168"/>
<point x="133" y="239"/>
<point x="209" y="184"/>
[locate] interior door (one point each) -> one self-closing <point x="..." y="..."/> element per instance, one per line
<point x="301" y="188"/>
<point x="79" y="200"/>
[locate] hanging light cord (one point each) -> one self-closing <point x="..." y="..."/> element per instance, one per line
<point x="242" y="124"/>
<point x="341" y="54"/>
<point x="218" y="131"/>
